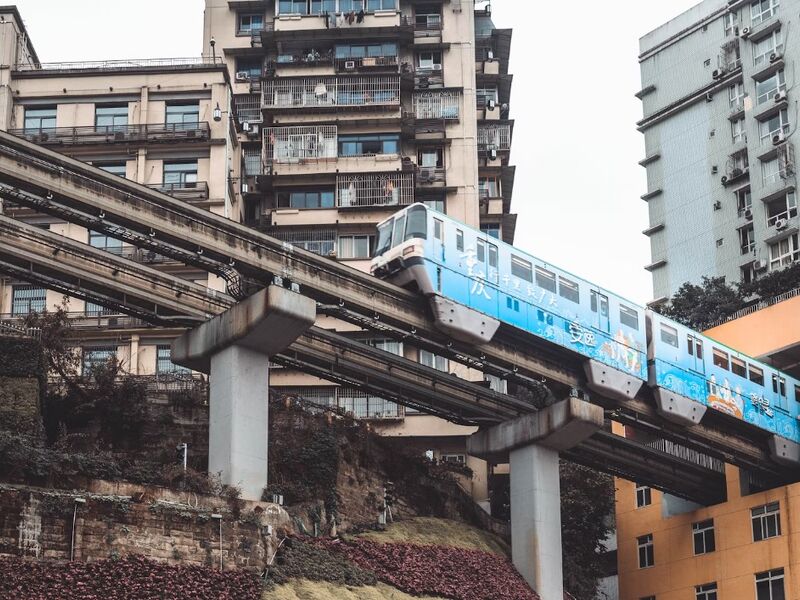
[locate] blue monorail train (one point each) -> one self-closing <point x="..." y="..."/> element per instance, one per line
<point x="476" y="282"/>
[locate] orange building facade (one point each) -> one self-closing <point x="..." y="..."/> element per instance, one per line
<point x="745" y="548"/>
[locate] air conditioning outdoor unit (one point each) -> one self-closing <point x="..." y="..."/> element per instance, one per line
<point x="745" y="32"/>
<point x="491" y="104"/>
<point x="779" y="97"/>
<point x="245" y="188"/>
<point x="748" y="214"/>
<point x="760" y="265"/>
<point x="781" y="224"/>
<point x="437" y="67"/>
<point x="724" y="179"/>
<point x="717" y="205"/>
<point x="253" y="131"/>
<point x="245" y="126"/>
<point x="490" y="55"/>
<point x="492" y="153"/>
<point x="716" y="73"/>
<point x="426" y="175"/>
<point x="736" y="172"/>
<point x="242" y="76"/>
<point x="775" y="56"/>
<point x="709" y="97"/>
<point x="778" y="138"/>
<point x="349" y="65"/>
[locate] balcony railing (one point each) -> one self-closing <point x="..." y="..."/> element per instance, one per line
<point x="494" y="136"/>
<point x="296" y="144"/>
<point x="251" y="162"/>
<point x="440" y="104"/>
<point x="366" y="63"/>
<point x="331" y="93"/>
<point x="129" y="64"/>
<point x="374" y="189"/>
<point x="109" y="134"/>
<point x="184" y="190"/>
<point x="84" y="320"/>
<point x="431" y="176"/>
<point x="350" y="401"/>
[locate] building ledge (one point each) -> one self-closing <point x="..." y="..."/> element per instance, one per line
<point x="763" y="29"/>
<point x="650" y="159"/>
<point x="645" y="90"/>
<point x="777" y="235"/>
<point x="651" y="194"/>
<point x="764" y="71"/>
<point x="770" y="108"/>
<point x="655" y="228"/>
<point x="656" y="265"/>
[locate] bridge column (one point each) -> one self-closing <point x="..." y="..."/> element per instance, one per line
<point x="234" y="349"/>
<point x="531" y="444"/>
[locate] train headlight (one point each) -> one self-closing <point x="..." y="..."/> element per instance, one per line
<point x="409" y="250"/>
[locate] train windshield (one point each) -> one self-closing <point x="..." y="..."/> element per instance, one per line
<point x="411" y="224"/>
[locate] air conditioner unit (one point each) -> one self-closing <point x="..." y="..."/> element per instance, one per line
<point x="349" y="65"/>
<point x="245" y="126"/>
<point x="781" y="224"/>
<point x="245" y="188"/>
<point x="778" y="138"/>
<point x="242" y="76"/>
<point x="748" y="214"/>
<point x="745" y="32"/>
<point x="760" y="265"/>
<point x="492" y="153"/>
<point x="253" y="132"/>
<point x="717" y="205"/>
<point x="436" y="67"/>
<point x="490" y="55"/>
<point x="779" y="97"/>
<point x="736" y="172"/>
<point x="724" y="179"/>
<point x="716" y="73"/>
<point x="491" y="104"/>
<point x="426" y="175"/>
<point x="775" y="56"/>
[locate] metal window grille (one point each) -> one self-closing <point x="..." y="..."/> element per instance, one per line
<point x="292" y="144"/>
<point x="317" y="240"/>
<point x="247" y="107"/>
<point x="26" y="299"/>
<point x="439" y="104"/>
<point x="375" y="189"/>
<point x="164" y="362"/>
<point x="494" y="136"/>
<point x="251" y="161"/>
<point x="303" y="92"/>
<point x="96" y="355"/>
<point x="352" y="401"/>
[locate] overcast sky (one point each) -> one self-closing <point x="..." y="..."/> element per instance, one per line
<point x="575" y="143"/>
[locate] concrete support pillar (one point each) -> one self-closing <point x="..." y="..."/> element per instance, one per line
<point x="536" y="519"/>
<point x="234" y="349"/>
<point x="531" y="444"/>
<point x="238" y="420"/>
<point x="134" y="357"/>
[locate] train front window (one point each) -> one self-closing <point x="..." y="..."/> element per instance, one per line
<point x="399" y="227"/>
<point x="417" y="226"/>
<point x="384" y="238"/>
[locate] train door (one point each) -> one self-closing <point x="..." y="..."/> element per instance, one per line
<point x="599" y="306"/>
<point x="694" y="346"/>
<point x="493" y="273"/>
<point x="438" y="239"/>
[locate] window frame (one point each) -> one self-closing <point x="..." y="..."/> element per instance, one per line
<point x="703" y="536"/>
<point x="646" y="551"/>
<point x="766" y="521"/>
<point x="644" y="495"/>
<point x="784" y="258"/>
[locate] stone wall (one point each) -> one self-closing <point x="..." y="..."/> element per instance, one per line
<point x="21" y="384"/>
<point x="122" y="519"/>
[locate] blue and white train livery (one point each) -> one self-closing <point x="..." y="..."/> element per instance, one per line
<point x="475" y="282"/>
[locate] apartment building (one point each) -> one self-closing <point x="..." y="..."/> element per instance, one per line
<point x="744" y="547"/>
<point x="719" y="124"/>
<point x="311" y="120"/>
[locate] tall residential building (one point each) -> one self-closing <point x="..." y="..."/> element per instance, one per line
<point x="311" y="120"/>
<point x="719" y="123"/>
<point x="744" y="547"/>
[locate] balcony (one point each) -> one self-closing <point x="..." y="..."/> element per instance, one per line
<point x="429" y="78"/>
<point x="332" y="94"/>
<point x="116" y="134"/>
<point x="184" y="190"/>
<point x="375" y="25"/>
<point x="367" y="63"/>
<point x="494" y="136"/>
<point x="438" y="104"/>
<point x="374" y="190"/>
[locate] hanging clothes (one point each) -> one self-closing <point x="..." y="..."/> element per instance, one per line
<point x="360" y="16"/>
<point x="340" y="20"/>
<point x="351" y="17"/>
<point x="327" y="20"/>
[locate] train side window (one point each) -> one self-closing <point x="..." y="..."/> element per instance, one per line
<point x="481" y="251"/>
<point x="721" y="359"/>
<point x="669" y="335"/>
<point x="438" y="230"/>
<point x="521" y="268"/>
<point x="779" y="385"/>
<point x="756" y="375"/>
<point x="738" y="367"/>
<point x="459" y="240"/>
<point x="569" y="290"/>
<point x="546" y="279"/>
<point x="628" y="317"/>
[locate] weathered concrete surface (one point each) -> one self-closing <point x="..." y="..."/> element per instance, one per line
<point x="267" y="322"/>
<point x="558" y="427"/>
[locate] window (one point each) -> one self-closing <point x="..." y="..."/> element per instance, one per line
<point x="707" y="591"/>
<point x="737" y="131"/>
<point x="493" y="274"/>
<point x="320" y="7"/>
<point x="427" y="17"/>
<point x="355" y="246"/>
<point x="185" y="113"/>
<point x="429" y="61"/>
<point x="496" y="383"/>
<point x="250" y="65"/>
<point x="766" y="521"/>
<point x="755" y="374"/>
<point x="491" y="229"/>
<point x="351" y="51"/>
<point x="109" y="117"/>
<point x="430" y="158"/>
<point x="763" y="48"/>
<point x="179" y="174"/>
<point x="249" y="23"/>
<point x="26" y="299"/>
<point x="164" y="362"/>
<point x="368" y="145"/>
<point x="37" y="119"/>
<point x="292" y="7"/>
<point x="747" y="273"/>
<point x="459" y="240"/>
<point x="646" y="552"/>
<point x="729" y="22"/>
<point x="783" y="252"/>
<point x="438" y="229"/>
<point x="744" y="200"/>
<point x="119" y="169"/>
<point x="435" y="203"/>
<point x="522" y="268"/>
<point x="459" y="459"/>
<point x="373" y="5"/>
<point x="488" y="187"/>
<point x="94" y="356"/>
<point x="352" y="5"/>
<point x="569" y="290"/>
<point x="736" y="94"/>
<point x="104" y="242"/>
<point x="747" y="239"/>
<point x="91" y="309"/>
<point x="763" y="10"/>
<point x="628" y="317"/>
<point x="643" y="496"/>
<point x="669" y="335"/>
<point x="314" y="239"/>
<point x="767" y="88"/>
<point x="783" y="208"/>
<point x="545" y="279"/>
<point x="769" y="585"/>
<point x="703" y="537"/>
<point x="738" y="367"/>
<point x="720" y="359"/>
<point x="773" y="126"/>
<point x="387" y="345"/>
<point x="305" y="199"/>
<point x="429" y="359"/>
<point x="485" y="95"/>
<point x="739" y="161"/>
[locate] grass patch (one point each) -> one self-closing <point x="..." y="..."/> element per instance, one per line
<point x="303" y="589"/>
<point x="439" y="532"/>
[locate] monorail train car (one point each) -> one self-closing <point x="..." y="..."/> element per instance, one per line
<point x="476" y="282"/>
